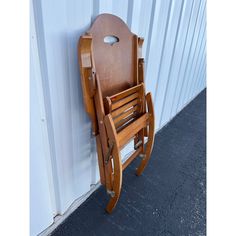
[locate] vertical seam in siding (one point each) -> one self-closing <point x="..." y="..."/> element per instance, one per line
<point x="150" y="33"/>
<point x="196" y="65"/>
<point x="37" y="8"/>
<point x="201" y="71"/>
<point x="95" y="9"/>
<point x="162" y="49"/>
<point x="194" y="55"/>
<point x="130" y="13"/>
<point x="171" y="63"/>
<point x="181" y="60"/>
<point x="184" y="76"/>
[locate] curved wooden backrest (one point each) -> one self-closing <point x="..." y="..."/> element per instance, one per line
<point x="116" y="63"/>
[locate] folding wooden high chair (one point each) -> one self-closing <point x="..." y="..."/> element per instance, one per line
<point x="112" y="77"/>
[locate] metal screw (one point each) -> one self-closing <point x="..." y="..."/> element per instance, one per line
<point x="111" y="193"/>
<point x="143" y="156"/>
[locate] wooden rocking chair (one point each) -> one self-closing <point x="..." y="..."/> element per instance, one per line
<point x="112" y="77"/>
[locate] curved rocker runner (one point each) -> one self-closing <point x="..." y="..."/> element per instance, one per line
<point x="112" y="77"/>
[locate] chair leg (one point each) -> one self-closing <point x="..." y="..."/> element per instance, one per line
<point x="100" y="161"/>
<point x="117" y="180"/>
<point x="151" y="131"/>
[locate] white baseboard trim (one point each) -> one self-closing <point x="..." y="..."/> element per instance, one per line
<point x="60" y="218"/>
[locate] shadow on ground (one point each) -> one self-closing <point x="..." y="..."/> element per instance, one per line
<point x="170" y="196"/>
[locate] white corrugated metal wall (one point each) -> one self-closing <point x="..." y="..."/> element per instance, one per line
<point x="175" y="57"/>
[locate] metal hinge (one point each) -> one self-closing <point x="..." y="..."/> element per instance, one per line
<point x="143" y="156"/>
<point x="108" y="155"/>
<point x="138" y="144"/>
<point x="111" y="193"/>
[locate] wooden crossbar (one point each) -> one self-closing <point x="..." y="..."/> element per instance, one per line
<point x="123" y="101"/>
<point x="124" y="108"/>
<point x="131" y="158"/>
<point x="126" y="114"/>
<point x="125" y="122"/>
<point x="126" y="93"/>
<point x="129" y="132"/>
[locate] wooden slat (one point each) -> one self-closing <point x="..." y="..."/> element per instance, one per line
<point x="126" y="134"/>
<point x="125" y="124"/>
<point x="125" y="93"/>
<point x="124" y="108"/>
<point x="131" y="158"/>
<point x="125" y="120"/>
<point x="125" y="114"/>
<point x="123" y="101"/>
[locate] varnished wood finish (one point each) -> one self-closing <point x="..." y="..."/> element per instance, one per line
<point x="124" y="108"/>
<point x="151" y="134"/>
<point x="125" y="93"/>
<point x="112" y="66"/>
<point x="112" y="78"/>
<point x="111" y="131"/>
<point x="118" y="119"/>
<point x="103" y="134"/>
<point x="100" y="160"/>
<point x="126" y="134"/>
<point x="85" y="61"/>
<point x="124" y="101"/>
